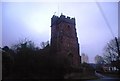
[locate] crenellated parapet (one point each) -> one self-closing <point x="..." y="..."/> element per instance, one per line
<point x="62" y="18"/>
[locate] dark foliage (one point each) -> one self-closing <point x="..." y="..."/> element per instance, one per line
<point x="30" y="62"/>
<point x="87" y="68"/>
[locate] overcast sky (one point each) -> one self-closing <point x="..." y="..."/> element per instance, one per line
<point x="32" y="20"/>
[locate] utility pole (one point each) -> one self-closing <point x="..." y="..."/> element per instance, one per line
<point x="118" y="59"/>
<point x="117" y="43"/>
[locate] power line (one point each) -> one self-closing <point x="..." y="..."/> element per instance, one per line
<point x="58" y="8"/>
<point x="108" y="25"/>
<point x="106" y="21"/>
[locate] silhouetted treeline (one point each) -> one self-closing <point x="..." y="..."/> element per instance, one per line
<point x="26" y="61"/>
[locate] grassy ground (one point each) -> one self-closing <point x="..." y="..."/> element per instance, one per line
<point x="67" y="76"/>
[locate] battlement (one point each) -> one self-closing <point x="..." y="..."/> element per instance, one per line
<point x="62" y="18"/>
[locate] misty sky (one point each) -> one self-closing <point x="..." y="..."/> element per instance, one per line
<point x="32" y="20"/>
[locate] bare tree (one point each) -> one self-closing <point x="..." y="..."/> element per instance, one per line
<point x="22" y="44"/>
<point x="99" y="59"/>
<point x="44" y="44"/>
<point x="84" y="58"/>
<point x="111" y="52"/>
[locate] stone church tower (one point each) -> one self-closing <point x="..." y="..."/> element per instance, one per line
<point x="64" y="39"/>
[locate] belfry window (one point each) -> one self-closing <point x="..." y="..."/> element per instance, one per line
<point x="68" y="26"/>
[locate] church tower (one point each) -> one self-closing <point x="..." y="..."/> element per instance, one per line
<point x="64" y="39"/>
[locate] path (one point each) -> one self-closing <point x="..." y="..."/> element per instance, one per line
<point x="104" y="77"/>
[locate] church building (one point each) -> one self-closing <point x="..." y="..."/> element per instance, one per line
<point x="64" y="40"/>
